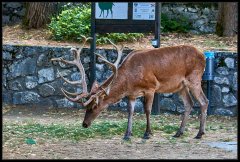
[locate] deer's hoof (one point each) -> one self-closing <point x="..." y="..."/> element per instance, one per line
<point x="126" y="138"/>
<point x="178" y="134"/>
<point x="199" y="135"/>
<point x="147" y="135"/>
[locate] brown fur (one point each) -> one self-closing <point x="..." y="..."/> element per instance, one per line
<point x="161" y="70"/>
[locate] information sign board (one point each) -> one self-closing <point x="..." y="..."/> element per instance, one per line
<point x="143" y="11"/>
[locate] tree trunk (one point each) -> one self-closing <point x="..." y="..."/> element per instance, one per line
<point x="38" y="14"/>
<point x="227" y="22"/>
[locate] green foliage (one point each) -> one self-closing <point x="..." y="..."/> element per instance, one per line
<point x="180" y="24"/>
<point x="75" y="21"/>
<point x="71" y="23"/>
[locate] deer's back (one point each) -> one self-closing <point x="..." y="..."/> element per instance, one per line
<point x="166" y="65"/>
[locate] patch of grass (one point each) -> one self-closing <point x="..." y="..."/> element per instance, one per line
<point x="166" y="126"/>
<point x="214" y="43"/>
<point x="105" y="129"/>
<point x="169" y="129"/>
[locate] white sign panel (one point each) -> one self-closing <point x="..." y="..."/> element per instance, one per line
<point x="143" y="11"/>
<point x="111" y="10"/>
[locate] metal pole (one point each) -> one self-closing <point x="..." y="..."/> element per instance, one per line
<point x="93" y="47"/>
<point x="209" y="112"/>
<point x="156" y="100"/>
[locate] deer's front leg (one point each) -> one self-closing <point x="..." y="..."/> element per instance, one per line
<point x="131" y="105"/>
<point x="147" y="108"/>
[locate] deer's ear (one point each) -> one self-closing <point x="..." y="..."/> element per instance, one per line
<point x="95" y="87"/>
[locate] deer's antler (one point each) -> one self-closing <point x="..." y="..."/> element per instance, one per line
<point x="78" y="63"/>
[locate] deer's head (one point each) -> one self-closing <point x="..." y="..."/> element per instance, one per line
<point x="93" y="100"/>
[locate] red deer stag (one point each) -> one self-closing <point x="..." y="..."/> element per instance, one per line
<point x="143" y="73"/>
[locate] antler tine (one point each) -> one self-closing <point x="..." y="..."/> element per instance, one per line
<point x="92" y="98"/>
<point x="119" y="51"/>
<point x="73" y="99"/>
<point x="109" y="63"/>
<point x="68" y="81"/>
<point x="114" y="68"/>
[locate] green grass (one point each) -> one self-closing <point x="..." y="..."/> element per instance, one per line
<point x="31" y="132"/>
<point x="75" y="132"/>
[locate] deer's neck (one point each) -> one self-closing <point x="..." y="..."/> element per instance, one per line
<point x="117" y="91"/>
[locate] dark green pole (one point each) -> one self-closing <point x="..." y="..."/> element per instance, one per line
<point x="156" y="100"/>
<point x="93" y="47"/>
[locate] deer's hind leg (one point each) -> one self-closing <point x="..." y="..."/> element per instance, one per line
<point x="188" y="104"/>
<point x="147" y="109"/>
<point x="196" y="90"/>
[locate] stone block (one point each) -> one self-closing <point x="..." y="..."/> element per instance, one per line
<point x="45" y="75"/>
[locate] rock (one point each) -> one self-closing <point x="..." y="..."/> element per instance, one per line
<point x="167" y="94"/>
<point x="46" y="90"/>
<point x="229" y="62"/>
<point x="42" y="60"/>
<point x="5" y="20"/>
<point x="229" y="100"/>
<point x="100" y="67"/>
<point x="4" y="81"/>
<point x="57" y="85"/>
<point x="178" y="9"/>
<point x="216" y="94"/>
<point x="223" y="112"/>
<point x="86" y="60"/>
<point x="222" y="71"/>
<point x="14" y="4"/>
<point x="99" y="76"/>
<point x="167" y="104"/>
<point x="64" y="103"/>
<point x="180" y="109"/>
<point x="235" y="85"/>
<point x="123" y="104"/>
<point x="7" y="56"/>
<point x="8" y="48"/>
<point x="206" y="11"/>
<point x="21" y="12"/>
<point x="63" y="73"/>
<point x="220" y="80"/>
<point x="199" y="23"/>
<point x="76" y="76"/>
<point x="7" y="97"/>
<point x="192" y="9"/>
<point x="25" y="97"/>
<point x="30" y="51"/>
<point x="22" y="68"/>
<point x="139" y="107"/>
<point x="45" y="75"/>
<point x="225" y="89"/>
<point x="15" y="20"/>
<point x="15" y="85"/>
<point x="31" y="82"/>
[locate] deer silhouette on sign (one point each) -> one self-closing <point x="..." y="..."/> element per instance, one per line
<point x="105" y="6"/>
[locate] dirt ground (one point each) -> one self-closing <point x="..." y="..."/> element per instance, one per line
<point x="16" y="35"/>
<point x="114" y="148"/>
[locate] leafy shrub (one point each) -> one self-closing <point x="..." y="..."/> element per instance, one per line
<point x="71" y="23"/>
<point x="75" y="21"/>
<point x="178" y="24"/>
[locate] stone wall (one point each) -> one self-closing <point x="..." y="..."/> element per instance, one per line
<point x="202" y="16"/>
<point x="12" y="12"/>
<point x="29" y="78"/>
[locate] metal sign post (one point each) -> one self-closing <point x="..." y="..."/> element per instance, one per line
<point x="124" y="17"/>
<point x="156" y="101"/>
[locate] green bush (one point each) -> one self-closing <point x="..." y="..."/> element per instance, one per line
<point x="75" y="21"/>
<point x="71" y="23"/>
<point x="180" y="24"/>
